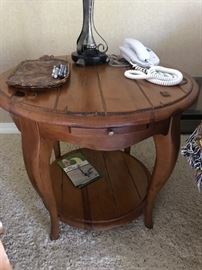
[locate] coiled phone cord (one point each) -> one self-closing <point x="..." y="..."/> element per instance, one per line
<point x="155" y="74"/>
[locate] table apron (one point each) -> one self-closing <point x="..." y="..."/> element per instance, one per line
<point x="106" y="139"/>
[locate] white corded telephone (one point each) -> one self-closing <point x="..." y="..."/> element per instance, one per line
<point x="135" y="52"/>
<point x="145" y="63"/>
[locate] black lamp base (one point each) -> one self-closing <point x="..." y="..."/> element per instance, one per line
<point x="89" y="57"/>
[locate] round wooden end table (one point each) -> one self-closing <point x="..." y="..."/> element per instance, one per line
<point x="105" y="113"/>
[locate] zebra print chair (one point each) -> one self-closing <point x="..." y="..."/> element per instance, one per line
<point x="193" y="152"/>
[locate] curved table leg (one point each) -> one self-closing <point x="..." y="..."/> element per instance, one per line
<point x="37" y="153"/>
<point x="167" y="148"/>
<point x="56" y="148"/>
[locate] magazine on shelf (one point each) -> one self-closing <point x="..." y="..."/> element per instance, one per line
<point x="78" y="169"/>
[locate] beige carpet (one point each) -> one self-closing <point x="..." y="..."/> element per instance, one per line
<point x="175" y="242"/>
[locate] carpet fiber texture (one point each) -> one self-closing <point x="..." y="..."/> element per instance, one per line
<point x="174" y="243"/>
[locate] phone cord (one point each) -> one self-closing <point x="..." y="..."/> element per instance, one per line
<point x="155" y="74"/>
<point x="117" y="61"/>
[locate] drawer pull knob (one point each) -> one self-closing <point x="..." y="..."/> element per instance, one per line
<point x="111" y="133"/>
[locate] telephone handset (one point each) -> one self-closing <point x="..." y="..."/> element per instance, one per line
<point x="145" y="65"/>
<point x="136" y="53"/>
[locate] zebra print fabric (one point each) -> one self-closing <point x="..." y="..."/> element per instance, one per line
<point x="193" y="153"/>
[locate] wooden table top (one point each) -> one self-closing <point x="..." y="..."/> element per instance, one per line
<point x="98" y="96"/>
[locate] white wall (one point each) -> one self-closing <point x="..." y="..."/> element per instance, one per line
<point x="173" y="28"/>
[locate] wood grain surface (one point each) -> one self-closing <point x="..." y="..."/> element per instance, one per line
<point x="96" y="93"/>
<point x="117" y="197"/>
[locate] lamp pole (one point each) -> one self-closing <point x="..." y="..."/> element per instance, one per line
<point x="88" y="52"/>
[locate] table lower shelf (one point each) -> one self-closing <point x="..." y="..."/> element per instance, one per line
<point x="114" y="199"/>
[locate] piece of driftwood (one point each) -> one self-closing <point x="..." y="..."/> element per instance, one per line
<point x="37" y="74"/>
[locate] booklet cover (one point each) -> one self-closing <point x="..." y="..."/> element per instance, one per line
<point x="78" y="169"/>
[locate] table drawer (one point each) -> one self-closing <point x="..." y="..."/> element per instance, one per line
<point x="112" y="138"/>
<point x="106" y="131"/>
